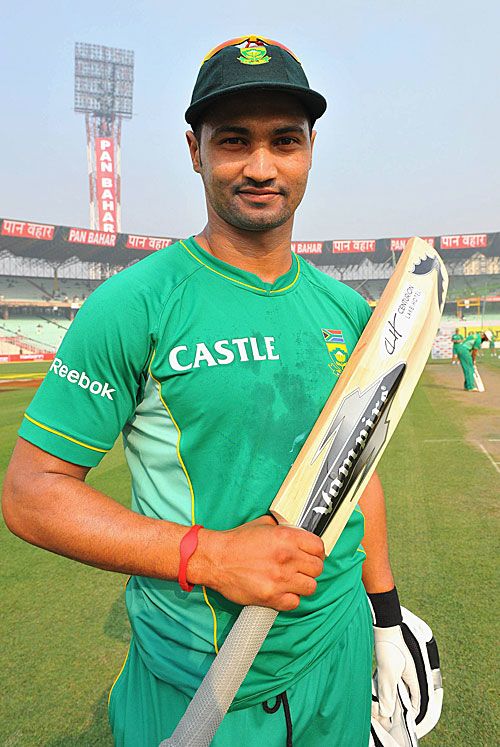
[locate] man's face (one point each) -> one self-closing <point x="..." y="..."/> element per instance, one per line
<point x="254" y="157"/>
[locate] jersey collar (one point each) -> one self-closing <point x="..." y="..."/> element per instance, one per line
<point x="246" y="280"/>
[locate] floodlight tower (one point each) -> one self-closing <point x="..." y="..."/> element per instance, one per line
<point x="104" y="80"/>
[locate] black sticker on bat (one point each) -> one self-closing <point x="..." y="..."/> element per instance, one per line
<point x="427" y="265"/>
<point x="354" y="439"/>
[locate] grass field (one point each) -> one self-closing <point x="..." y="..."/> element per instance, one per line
<point x="64" y="631"/>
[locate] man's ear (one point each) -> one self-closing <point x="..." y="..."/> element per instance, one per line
<point x="313" y="138"/>
<point x="194" y="151"/>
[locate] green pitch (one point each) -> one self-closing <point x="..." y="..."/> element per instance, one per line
<point x="64" y="633"/>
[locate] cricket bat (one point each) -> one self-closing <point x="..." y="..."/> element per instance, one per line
<point x="478" y="380"/>
<point x="338" y="458"/>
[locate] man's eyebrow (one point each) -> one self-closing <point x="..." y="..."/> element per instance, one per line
<point x="289" y="128"/>
<point x="230" y="128"/>
<point x="238" y="130"/>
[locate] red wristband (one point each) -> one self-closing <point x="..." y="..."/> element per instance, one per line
<point x="188" y="545"/>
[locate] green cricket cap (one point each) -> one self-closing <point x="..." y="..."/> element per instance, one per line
<point x="251" y="63"/>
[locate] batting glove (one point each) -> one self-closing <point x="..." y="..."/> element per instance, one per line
<point x="394" y="659"/>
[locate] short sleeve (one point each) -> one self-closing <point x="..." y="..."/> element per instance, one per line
<point x="364" y="312"/>
<point x="94" y="383"/>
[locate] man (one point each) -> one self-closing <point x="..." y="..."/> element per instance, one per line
<point x="455" y="338"/>
<point x="466" y="352"/>
<point x="214" y="358"/>
<point x="492" y="345"/>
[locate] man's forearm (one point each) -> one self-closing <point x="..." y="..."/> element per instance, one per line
<point x="47" y="503"/>
<point x="377" y="573"/>
<point x="63" y="514"/>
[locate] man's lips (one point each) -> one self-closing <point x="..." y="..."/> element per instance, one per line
<point x="258" y="195"/>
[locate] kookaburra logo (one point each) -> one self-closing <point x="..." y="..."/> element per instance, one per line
<point x="352" y="443"/>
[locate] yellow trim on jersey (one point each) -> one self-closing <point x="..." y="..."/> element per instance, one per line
<point x="118" y="675"/>
<point x="240" y="282"/>
<point x="179" y="456"/>
<point x="214" y="616"/>
<point x="361" y="548"/>
<point x="184" y="469"/>
<point x="280" y="290"/>
<point x="63" y="435"/>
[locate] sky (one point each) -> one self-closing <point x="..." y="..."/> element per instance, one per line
<point x="409" y="144"/>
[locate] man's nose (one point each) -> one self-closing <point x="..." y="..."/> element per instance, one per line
<point x="260" y="165"/>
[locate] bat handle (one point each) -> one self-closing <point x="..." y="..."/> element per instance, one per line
<point x="211" y="701"/>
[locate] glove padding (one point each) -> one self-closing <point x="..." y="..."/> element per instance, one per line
<point x="407" y="657"/>
<point x="401" y="730"/>
<point x="423" y="647"/>
<point x="395" y="663"/>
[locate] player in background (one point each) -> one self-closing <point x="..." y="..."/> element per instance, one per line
<point x="466" y="352"/>
<point x="492" y="345"/>
<point x="455" y="338"/>
<point x="483" y="336"/>
<point x="214" y="358"/>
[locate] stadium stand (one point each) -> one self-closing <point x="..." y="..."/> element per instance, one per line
<point x="369" y="289"/>
<point x="20" y="288"/>
<point x="41" y="333"/>
<point x="460" y="287"/>
<point x="47" y="271"/>
<point x="8" y="348"/>
<point x="42" y="289"/>
<point x="74" y="289"/>
<point x="470" y="286"/>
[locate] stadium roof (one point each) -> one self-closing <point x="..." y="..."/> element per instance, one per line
<point x="59" y="244"/>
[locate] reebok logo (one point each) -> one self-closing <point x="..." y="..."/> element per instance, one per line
<point x="81" y="379"/>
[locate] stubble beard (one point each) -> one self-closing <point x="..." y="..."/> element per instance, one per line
<point x="252" y="219"/>
<point x="256" y="222"/>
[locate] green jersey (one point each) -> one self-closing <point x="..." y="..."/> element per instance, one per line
<point x="472" y="341"/>
<point x="215" y="379"/>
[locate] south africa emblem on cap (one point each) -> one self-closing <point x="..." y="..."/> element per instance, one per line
<point x="253" y="54"/>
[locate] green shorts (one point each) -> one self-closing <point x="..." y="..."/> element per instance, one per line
<point x="330" y="704"/>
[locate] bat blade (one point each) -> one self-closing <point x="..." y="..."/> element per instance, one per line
<point x="478" y="380"/>
<point x="338" y="458"/>
<point x="348" y="455"/>
<point x="363" y="410"/>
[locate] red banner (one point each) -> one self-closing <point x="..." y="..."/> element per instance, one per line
<point x="25" y="357"/>
<point x="465" y="241"/>
<point x="147" y="243"/>
<point x="397" y="245"/>
<point x="307" y="247"/>
<point x="344" y="247"/>
<point x="106" y="184"/>
<point x="27" y="230"/>
<point x="95" y="238"/>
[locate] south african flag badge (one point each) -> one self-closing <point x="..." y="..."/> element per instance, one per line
<point x="337" y="349"/>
